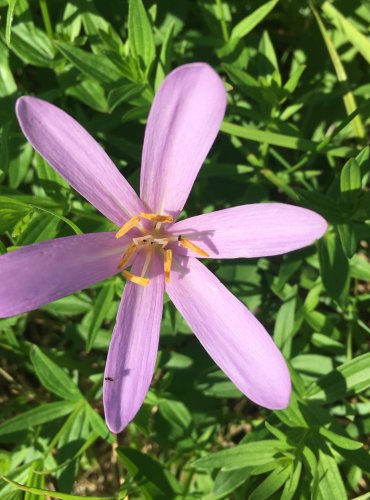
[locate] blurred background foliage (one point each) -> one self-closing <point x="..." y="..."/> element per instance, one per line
<point x="295" y="131"/>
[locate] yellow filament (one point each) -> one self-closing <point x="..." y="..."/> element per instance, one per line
<point x="138" y="280"/>
<point x="167" y="265"/>
<point x="134" y="221"/>
<point x="131" y="250"/>
<point x="190" y="246"/>
<point x="157" y="217"/>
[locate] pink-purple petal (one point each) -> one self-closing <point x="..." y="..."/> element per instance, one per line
<point x="256" y="230"/>
<point x="72" y="152"/>
<point x="134" y="345"/>
<point x="34" y="275"/>
<point x="231" y="335"/>
<point x="182" y="125"/>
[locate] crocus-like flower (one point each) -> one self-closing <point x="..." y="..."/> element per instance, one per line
<point x="163" y="254"/>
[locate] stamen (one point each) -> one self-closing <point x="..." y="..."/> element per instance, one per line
<point x="138" y="280"/>
<point x="190" y="246"/>
<point x="134" y="221"/>
<point x="167" y="265"/>
<point x="131" y="250"/>
<point x="157" y="217"/>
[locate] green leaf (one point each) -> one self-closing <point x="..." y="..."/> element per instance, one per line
<point x="41" y="227"/>
<point x="163" y="66"/>
<point x="124" y="93"/>
<point x="266" y="137"/>
<point x="292" y="482"/>
<point x="348" y="97"/>
<point x="329" y="480"/>
<point x="37" y="416"/>
<point x="95" y="66"/>
<point x="140" y="35"/>
<point x="348" y="239"/>
<point x="35" y="480"/>
<point x="350" y="378"/>
<point x="100" y="310"/>
<point x="334" y="267"/>
<point x="153" y="480"/>
<point x="339" y="440"/>
<point x="251" y="454"/>
<point x="53" y="377"/>
<point x="98" y="425"/>
<point x="267" y="60"/>
<point x="284" y="326"/>
<point x="32" y="45"/>
<point x="9" y="20"/>
<point x="350" y="182"/>
<point x="51" y="493"/>
<point x="178" y="417"/>
<point x="90" y="93"/>
<point x="272" y="483"/>
<point x="11" y="211"/>
<point x="353" y="35"/>
<point x="250" y="22"/>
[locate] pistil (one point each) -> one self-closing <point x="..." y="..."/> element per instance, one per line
<point x="148" y="242"/>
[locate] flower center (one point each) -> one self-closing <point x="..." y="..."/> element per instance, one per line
<point x="151" y="240"/>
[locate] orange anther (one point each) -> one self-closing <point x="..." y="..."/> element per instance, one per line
<point x="157" y="217"/>
<point x="167" y="264"/>
<point x="138" y="280"/>
<point x="190" y="246"/>
<point x="130" y="252"/>
<point x="134" y="221"/>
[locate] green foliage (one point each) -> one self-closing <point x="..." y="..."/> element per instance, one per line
<point x="294" y="132"/>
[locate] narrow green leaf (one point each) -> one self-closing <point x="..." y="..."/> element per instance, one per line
<point x="95" y="66"/>
<point x="329" y="480"/>
<point x="353" y="35"/>
<point x="90" y="93"/>
<point x="52" y="493"/>
<point x="284" y="325"/>
<point x="339" y="440"/>
<point x="165" y="56"/>
<point x="250" y="22"/>
<point x="37" y="416"/>
<point x="9" y="20"/>
<point x="348" y="97"/>
<point x="292" y="482"/>
<point x="35" y="480"/>
<point x="350" y="182"/>
<point x="350" y="378"/>
<point x="153" y="480"/>
<point x="251" y="454"/>
<point x="53" y="377"/>
<point x="334" y="267"/>
<point x="348" y="239"/>
<point x="32" y="45"/>
<point x="272" y="483"/>
<point x="101" y="307"/>
<point x="140" y="35"/>
<point x="11" y="211"/>
<point x="124" y="93"/>
<point x="266" y="137"/>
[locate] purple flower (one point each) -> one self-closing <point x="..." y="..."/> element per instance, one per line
<point x="183" y="122"/>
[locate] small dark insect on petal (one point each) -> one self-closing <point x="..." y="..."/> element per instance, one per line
<point x="179" y="237"/>
<point x="109" y="379"/>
